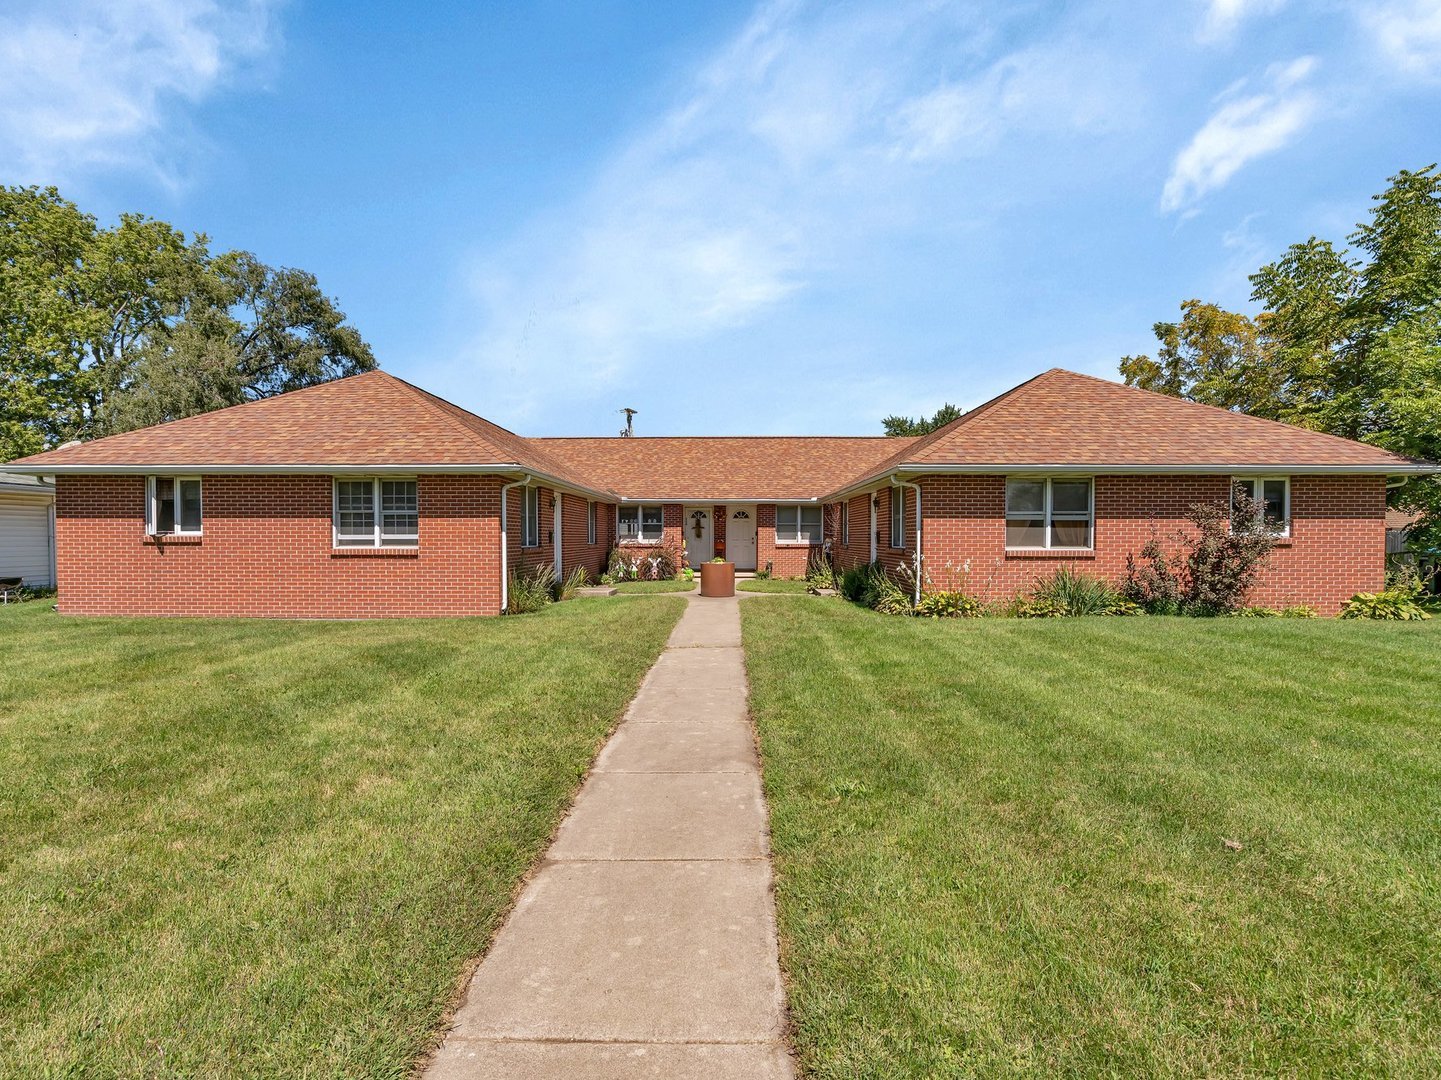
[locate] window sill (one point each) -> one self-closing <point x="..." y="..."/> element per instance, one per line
<point x="374" y="552"/>
<point x="1050" y="553"/>
<point x="638" y="543"/>
<point x="799" y="543"/>
<point x="166" y="539"/>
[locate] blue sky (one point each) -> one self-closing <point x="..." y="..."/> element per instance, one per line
<point x="736" y="218"/>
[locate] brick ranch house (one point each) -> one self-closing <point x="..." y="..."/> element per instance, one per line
<point x="368" y="497"/>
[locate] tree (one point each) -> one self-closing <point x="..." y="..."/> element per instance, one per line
<point x="1347" y="342"/>
<point x="896" y="426"/>
<point x="106" y="329"/>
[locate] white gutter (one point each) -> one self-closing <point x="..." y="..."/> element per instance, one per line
<point x="896" y="481"/>
<point x="870" y="482"/>
<point x="311" y="468"/>
<point x="505" y="541"/>
<point x="701" y="499"/>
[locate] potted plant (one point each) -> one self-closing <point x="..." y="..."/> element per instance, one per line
<point x="718" y="578"/>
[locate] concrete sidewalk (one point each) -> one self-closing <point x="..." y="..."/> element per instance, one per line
<point x="645" y="945"/>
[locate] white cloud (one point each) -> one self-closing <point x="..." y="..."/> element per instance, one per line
<point x="798" y="148"/>
<point x="1407" y="34"/>
<point x="1223" y="17"/>
<point x="95" y="83"/>
<point x="1241" y="130"/>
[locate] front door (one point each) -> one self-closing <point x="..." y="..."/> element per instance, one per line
<point x="741" y="536"/>
<point x="699" y="533"/>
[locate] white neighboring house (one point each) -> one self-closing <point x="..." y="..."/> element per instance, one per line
<point x="27" y="529"/>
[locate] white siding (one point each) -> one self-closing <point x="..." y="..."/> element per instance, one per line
<point x="25" y="539"/>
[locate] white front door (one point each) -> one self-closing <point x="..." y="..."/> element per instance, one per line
<point x="741" y="536"/>
<point x="699" y="527"/>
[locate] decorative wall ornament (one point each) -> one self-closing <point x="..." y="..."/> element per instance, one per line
<point x="698" y="519"/>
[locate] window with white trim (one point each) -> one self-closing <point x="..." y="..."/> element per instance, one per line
<point x="798" y="525"/>
<point x="644" y="523"/>
<point x="1271" y="496"/>
<point x="375" y="511"/>
<point x="898" y="517"/>
<point x="845" y="524"/>
<point x="172" y="506"/>
<point x="1049" y="512"/>
<point x="530" y="517"/>
<point x="590" y="522"/>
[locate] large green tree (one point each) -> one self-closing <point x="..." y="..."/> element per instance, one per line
<point x="1348" y="341"/>
<point x="905" y="425"/>
<point x="107" y="329"/>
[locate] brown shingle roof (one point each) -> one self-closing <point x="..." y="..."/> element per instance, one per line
<point x="722" y="467"/>
<point x="368" y="419"/>
<point x="1063" y="418"/>
<point x="1058" y="418"/>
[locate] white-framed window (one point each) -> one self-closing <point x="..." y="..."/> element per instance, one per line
<point x="172" y="505"/>
<point x="1049" y="512"/>
<point x="846" y="524"/>
<point x="530" y="517"/>
<point x="590" y="522"/>
<point x="798" y="525"/>
<point x="375" y="511"/>
<point x="644" y="523"/>
<point x="1272" y="496"/>
<point x="898" y="517"/>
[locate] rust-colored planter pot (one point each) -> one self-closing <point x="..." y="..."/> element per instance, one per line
<point x="718" y="579"/>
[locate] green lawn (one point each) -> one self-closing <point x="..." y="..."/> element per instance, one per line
<point x="772" y="585"/>
<point x="1001" y="843"/>
<point x="673" y="585"/>
<point x="251" y="848"/>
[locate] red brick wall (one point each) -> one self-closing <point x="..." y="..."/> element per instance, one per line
<point x="575" y="550"/>
<point x="1336" y="547"/>
<point x="266" y="551"/>
<point x="787" y="560"/>
<point x="719" y="516"/>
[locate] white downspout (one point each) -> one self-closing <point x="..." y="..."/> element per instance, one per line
<point x="897" y="482"/>
<point x="871" y="502"/>
<point x="505" y="541"/>
<point x="557" y="522"/>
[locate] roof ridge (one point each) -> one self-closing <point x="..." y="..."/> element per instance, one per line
<point x="435" y="403"/>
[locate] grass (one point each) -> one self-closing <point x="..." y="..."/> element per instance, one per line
<point x="250" y="848"/>
<point x="772" y="585"/>
<point x="1001" y="844"/>
<point x="673" y="585"/>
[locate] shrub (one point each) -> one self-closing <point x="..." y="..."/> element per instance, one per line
<point x="885" y="595"/>
<point x="573" y="583"/>
<point x="1399" y="603"/>
<point x="660" y="561"/>
<point x="819" y="574"/>
<point x="1155" y="582"/>
<point x="1078" y="594"/>
<point x="1223" y="560"/>
<point x="529" y="591"/>
<point x="1216" y="567"/>
<point x="1039" y="607"/>
<point x="872" y="586"/>
<point x="949" y="604"/>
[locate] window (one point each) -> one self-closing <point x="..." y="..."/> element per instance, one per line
<point x="845" y="524"/>
<point x="798" y="524"/>
<point x="373" y="512"/>
<point x="1044" y="513"/>
<point x="173" y="506"/>
<point x="639" y="523"/>
<point x="530" y="517"/>
<point x="1272" y="496"/>
<point x="590" y="522"/>
<point x="898" y="517"/>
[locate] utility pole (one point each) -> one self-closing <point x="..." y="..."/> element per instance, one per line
<point x="629" y="425"/>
